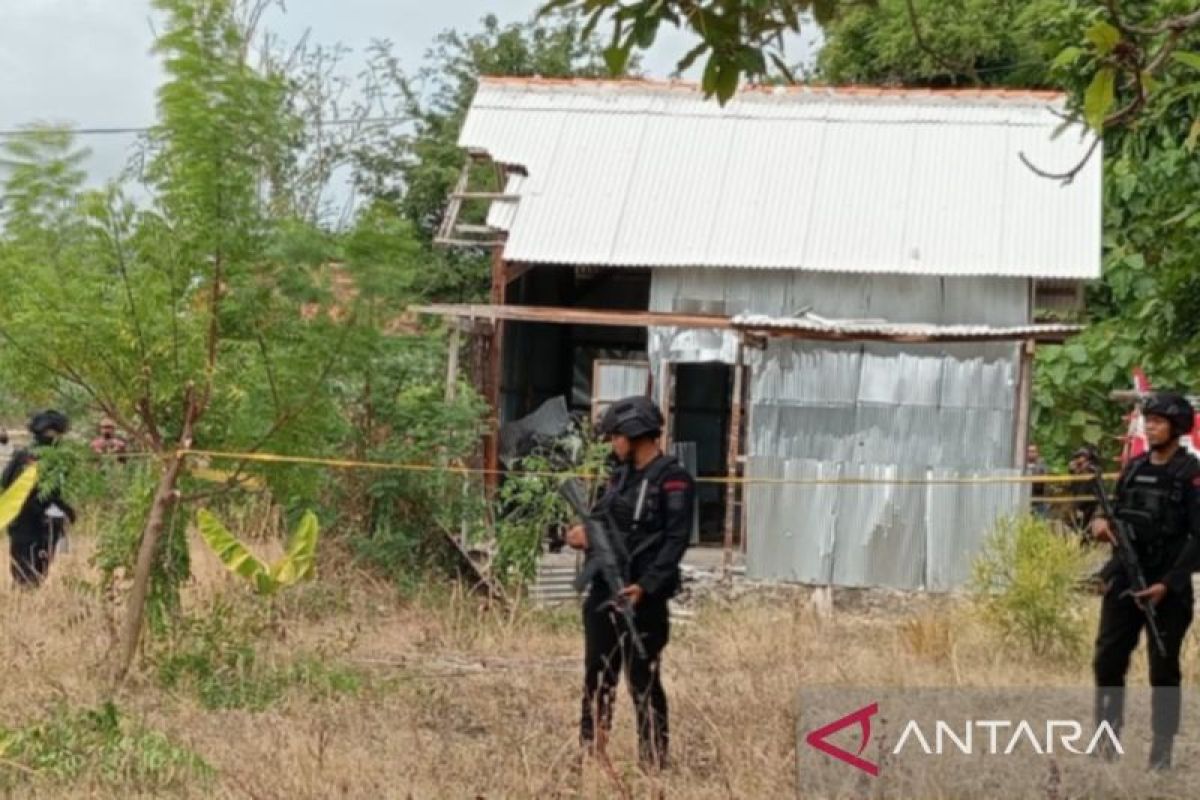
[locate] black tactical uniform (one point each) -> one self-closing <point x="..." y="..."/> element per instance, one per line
<point x="1161" y="504"/>
<point x="35" y="533"/>
<point x="650" y="511"/>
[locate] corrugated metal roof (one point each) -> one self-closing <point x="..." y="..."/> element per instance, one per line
<point x="900" y="331"/>
<point x="634" y="173"/>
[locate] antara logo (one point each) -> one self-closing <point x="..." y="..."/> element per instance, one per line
<point x="820" y="739"/>
<point x="995" y="737"/>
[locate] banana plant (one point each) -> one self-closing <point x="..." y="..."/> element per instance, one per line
<point x="12" y="500"/>
<point x="297" y="564"/>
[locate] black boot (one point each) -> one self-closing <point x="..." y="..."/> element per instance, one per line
<point x="1160" y="752"/>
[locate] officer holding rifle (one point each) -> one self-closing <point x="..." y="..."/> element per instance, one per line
<point x="1154" y="525"/>
<point x="646" y="517"/>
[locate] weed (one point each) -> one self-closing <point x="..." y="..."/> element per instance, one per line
<point x="99" y="745"/>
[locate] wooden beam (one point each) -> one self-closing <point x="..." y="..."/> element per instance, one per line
<point x="558" y="315"/>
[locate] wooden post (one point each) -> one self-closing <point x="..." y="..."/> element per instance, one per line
<point x="452" y="347"/>
<point x="1024" y="395"/>
<point x="748" y="413"/>
<point x="735" y="439"/>
<point x="665" y="391"/>
<point x="494" y="375"/>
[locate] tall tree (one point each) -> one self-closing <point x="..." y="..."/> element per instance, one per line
<point x="178" y="321"/>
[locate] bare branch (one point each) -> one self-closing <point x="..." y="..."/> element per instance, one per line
<point x="1068" y="176"/>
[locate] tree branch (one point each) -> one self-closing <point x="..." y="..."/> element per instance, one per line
<point x="964" y="68"/>
<point x="288" y="416"/>
<point x="262" y="347"/>
<point x="1068" y="176"/>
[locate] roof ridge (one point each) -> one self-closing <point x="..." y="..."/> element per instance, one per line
<point x="848" y="90"/>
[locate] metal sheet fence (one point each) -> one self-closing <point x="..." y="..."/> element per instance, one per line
<point x="899" y="536"/>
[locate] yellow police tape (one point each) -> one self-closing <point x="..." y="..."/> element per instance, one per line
<point x="339" y="463"/>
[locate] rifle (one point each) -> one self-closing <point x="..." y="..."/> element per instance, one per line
<point x="1127" y="555"/>
<point x="604" y="558"/>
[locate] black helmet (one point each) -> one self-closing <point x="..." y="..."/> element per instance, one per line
<point x="633" y="417"/>
<point x="45" y="421"/>
<point x="1172" y="406"/>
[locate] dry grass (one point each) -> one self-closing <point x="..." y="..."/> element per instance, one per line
<point x="458" y="701"/>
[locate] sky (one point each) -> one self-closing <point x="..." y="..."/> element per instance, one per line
<point x="89" y="62"/>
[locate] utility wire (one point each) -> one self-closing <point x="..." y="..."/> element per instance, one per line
<point x="117" y="131"/>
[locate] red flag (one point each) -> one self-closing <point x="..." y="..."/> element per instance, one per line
<point x="1135" y="433"/>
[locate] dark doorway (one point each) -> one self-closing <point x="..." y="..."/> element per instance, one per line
<point x="700" y="414"/>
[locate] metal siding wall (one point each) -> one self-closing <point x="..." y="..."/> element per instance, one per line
<point x="866" y="411"/>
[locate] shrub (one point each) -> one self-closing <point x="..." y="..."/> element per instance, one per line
<point x="1023" y="584"/>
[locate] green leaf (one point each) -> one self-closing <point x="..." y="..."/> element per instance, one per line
<point x="616" y="58"/>
<point x="1098" y="98"/>
<point x="751" y="61"/>
<point x="1077" y="353"/>
<point x="232" y="553"/>
<point x="1067" y="57"/>
<point x="1187" y="59"/>
<point x="1104" y="37"/>
<point x="644" y="32"/>
<point x="1193" y="135"/>
<point x="725" y="82"/>
<point x="300" y="561"/>
<point x="688" y="60"/>
<point x="708" y="82"/>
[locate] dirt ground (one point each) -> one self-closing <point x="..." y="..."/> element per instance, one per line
<point x="346" y="688"/>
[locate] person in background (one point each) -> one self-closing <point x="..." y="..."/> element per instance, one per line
<point x="1084" y="462"/>
<point x="108" y="443"/>
<point x="41" y="522"/>
<point x="1035" y="466"/>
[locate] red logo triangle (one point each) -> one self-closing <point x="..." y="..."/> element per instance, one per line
<point x="862" y="718"/>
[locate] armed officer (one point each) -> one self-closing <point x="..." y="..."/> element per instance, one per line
<point x="648" y="506"/>
<point x="38" y="528"/>
<point x="1158" y="497"/>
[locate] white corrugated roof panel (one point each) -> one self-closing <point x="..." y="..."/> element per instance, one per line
<point x="632" y="173"/>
